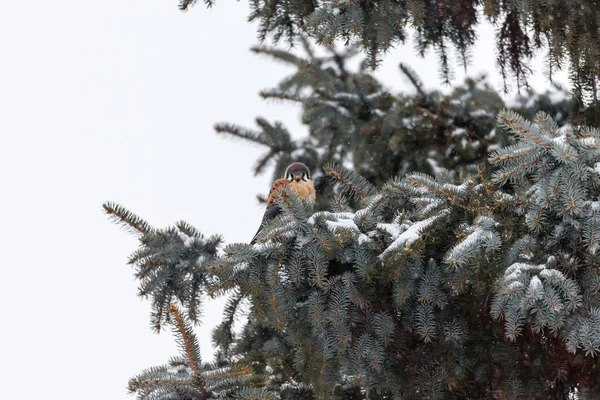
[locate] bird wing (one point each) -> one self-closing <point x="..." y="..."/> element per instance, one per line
<point x="276" y="186"/>
<point x="272" y="208"/>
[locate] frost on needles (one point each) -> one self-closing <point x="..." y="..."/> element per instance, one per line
<point x="475" y="286"/>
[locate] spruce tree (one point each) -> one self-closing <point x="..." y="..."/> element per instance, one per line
<point x="451" y="255"/>
<point x="567" y="31"/>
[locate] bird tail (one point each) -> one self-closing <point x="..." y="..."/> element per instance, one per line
<point x="270" y="213"/>
<point x="256" y="235"/>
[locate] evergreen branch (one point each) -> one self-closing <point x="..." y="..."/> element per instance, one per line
<point x="231" y="262"/>
<point x="412" y="77"/>
<point x="515" y="122"/>
<point x="162" y="380"/>
<point x="339" y="204"/>
<point x="340" y="60"/>
<point x="449" y="194"/>
<point x="307" y="46"/>
<point x="255" y="394"/>
<point x="240" y="371"/>
<point x="279" y="228"/>
<point x="262" y="162"/>
<point x="320" y="76"/>
<point x="189" y="346"/>
<point x="488" y="187"/>
<point x="241" y="133"/>
<point x="222" y="286"/>
<point x="356" y="184"/>
<point x="278" y="135"/>
<point x="504" y="176"/>
<point x="545" y="121"/>
<point x="279" y="95"/>
<point x="184" y="5"/>
<point x="188" y="229"/>
<point x="481" y="239"/>
<point x="426" y="182"/>
<point x="280" y="55"/>
<point x="137" y="385"/>
<point x="510" y="153"/>
<point x="292" y="205"/>
<point x="222" y="335"/>
<point x="127" y="219"/>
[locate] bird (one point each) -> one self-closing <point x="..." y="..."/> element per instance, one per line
<point x="297" y="178"/>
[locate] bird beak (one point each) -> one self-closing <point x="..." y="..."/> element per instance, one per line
<point x="297" y="177"/>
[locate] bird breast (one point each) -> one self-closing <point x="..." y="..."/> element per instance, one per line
<point x="304" y="189"/>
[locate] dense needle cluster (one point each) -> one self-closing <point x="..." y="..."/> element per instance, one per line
<point x="567" y="31"/>
<point x="354" y="120"/>
<point x="476" y="286"/>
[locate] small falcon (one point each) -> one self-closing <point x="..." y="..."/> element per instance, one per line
<point x="297" y="178"/>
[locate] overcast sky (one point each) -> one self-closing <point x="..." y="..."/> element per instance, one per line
<point x="115" y="100"/>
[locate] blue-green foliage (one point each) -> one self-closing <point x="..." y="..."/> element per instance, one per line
<point x="556" y="175"/>
<point x="169" y="263"/>
<point x="568" y="33"/>
<point x="186" y="377"/>
<point x="355" y="121"/>
<point x="477" y="287"/>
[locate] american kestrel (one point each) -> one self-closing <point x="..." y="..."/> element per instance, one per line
<point x="297" y="178"/>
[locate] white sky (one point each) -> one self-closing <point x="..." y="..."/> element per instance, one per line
<point x="115" y="100"/>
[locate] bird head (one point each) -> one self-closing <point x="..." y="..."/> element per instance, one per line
<point x="297" y="172"/>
